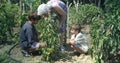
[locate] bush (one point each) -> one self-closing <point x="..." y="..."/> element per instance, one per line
<point x="51" y="37"/>
<point x="82" y="14"/>
<point x="105" y="34"/>
<point x="8" y="20"/>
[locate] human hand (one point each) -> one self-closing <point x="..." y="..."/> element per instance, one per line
<point x="68" y="41"/>
<point x="43" y="44"/>
<point x="60" y="27"/>
<point x="71" y="46"/>
<point x="72" y="42"/>
<point x="38" y="32"/>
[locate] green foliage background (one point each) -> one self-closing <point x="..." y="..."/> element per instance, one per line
<point x="104" y="24"/>
<point x="105" y="34"/>
<point x="8" y="20"/>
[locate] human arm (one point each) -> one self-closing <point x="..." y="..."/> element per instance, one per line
<point x="72" y="42"/>
<point x="60" y="11"/>
<point x="76" y="39"/>
<point x="37" y="36"/>
<point x="29" y="35"/>
<point x="81" y="39"/>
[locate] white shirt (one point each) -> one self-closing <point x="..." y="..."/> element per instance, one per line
<point x="80" y="39"/>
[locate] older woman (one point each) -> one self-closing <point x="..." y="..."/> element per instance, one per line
<point x="60" y="9"/>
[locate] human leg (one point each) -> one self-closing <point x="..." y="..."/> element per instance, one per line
<point x="79" y="49"/>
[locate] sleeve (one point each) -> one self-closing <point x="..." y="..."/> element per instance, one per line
<point x="80" y="38"/>
<point x="72" y="36"/>
<point x="29" y="35"/>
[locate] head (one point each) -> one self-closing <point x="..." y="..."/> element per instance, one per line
<point x="33" y="18"/>
<point x="43" y="10"/>
<point x="76" y="28"/>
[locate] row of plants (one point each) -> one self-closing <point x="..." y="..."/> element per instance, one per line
<point x="82" y="14"/>
<point x="105" y="31"/>
<point x="8" y="20"/>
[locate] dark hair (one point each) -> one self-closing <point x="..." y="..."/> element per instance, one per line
<point x="76" y="27"/>
<point x="33" y="16"/>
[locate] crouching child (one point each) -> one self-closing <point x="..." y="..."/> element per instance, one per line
<point x="29" y="41"/>
<point x="78" y="41"/>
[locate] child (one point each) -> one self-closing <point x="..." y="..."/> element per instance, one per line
<point x="29" y="36"/>
<point x="78" y="41"/>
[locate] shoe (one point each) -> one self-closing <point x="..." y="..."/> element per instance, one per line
<point x="62" y="48"/>
<point x="76" y="53"/>
<point x="25" y="54"/>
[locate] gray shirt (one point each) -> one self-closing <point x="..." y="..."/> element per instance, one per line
<point x="28" y="35"/>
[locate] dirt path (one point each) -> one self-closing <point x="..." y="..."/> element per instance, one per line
<point x="4" y="48"/>
<point x="77" y="59"/>
<point x="67" y="57"/>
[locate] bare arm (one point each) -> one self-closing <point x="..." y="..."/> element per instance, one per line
<point x="61" y="12"/>
<point x="72" y="42"/>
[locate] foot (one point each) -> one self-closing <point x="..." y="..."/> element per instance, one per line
<point x="62" y="48"/>
<point x="25" y="54"/>
<point x="76" y="53"/>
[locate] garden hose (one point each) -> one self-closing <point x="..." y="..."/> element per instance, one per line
<point x="9" y="55"/>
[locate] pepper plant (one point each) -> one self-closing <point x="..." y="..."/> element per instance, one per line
<point x="51" y="37"/>
<point x="105" y="33"/>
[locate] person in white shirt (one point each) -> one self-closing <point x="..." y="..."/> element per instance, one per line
<point x="78" y="41"/>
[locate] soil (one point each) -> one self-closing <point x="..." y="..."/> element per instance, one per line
<point x="68" y="56"/>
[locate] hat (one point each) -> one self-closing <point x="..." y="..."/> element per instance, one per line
<point x="43" y="9"/>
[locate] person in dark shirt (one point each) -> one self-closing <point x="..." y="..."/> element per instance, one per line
<point x="29" y="35"/>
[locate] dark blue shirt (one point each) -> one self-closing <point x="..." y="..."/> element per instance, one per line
<point x="28" y="35"/>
